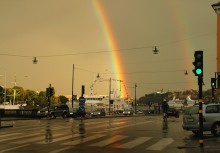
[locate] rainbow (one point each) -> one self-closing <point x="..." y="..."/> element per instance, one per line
<point x="186" y="48"/>
<point x="112" y="43"/>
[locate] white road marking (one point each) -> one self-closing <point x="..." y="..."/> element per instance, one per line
<point x="160" y="144"/>
<point x="11" y="134"/>
<point x="109" y="141"/>
<point x="62" y="149"/>
<point x="134" y="143"/>
<point x="82" y="140"/>
<point x="61" y="138"/>
<point x="34" y="139"/>
<point x="18" y="137"/>
<point x="10" y="149"/>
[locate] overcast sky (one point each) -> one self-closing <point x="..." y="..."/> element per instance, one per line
<point x="73" y="30"/>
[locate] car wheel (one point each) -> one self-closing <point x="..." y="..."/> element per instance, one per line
<point x="52" y="115"/>
<point x="216" y="129"/>
<point x="64" y="115"/>
<point x="195" y="132"/>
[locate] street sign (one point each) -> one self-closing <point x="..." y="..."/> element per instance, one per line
<point x="82" y="100"/>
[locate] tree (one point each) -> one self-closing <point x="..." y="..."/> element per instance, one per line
<point x="63" y="99"/>
<point x="1" y="94"/>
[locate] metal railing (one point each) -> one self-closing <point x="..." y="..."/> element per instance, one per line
<point x="18" y="113"/>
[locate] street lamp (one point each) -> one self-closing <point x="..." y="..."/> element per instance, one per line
<point x="155" y="50"/>
<point x="216" y="7"/>
<point x="135" y="100"/>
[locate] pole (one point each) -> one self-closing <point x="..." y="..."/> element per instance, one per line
<point x="5" y="89"/>
<point x="213" y="95"/>
<point x="72" y="84"/>
<point x="109" y="109"/>
<point x="135" y="101"/>
<point x="201" y="141"/>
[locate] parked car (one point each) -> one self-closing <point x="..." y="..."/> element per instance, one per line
<point x="54" y="111"/>
<point x="128" y="112"/>
<point x="139" y="112"/>
<point x="211" y="118"/>
<point x="98" y="112"/>
<point x="173" y="112"/>
<point x="73" y="112"/>
<point x="117" y="112"/>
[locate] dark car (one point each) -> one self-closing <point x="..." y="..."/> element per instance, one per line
<point x="173" y="112"/>
<point x="54" y="111"/>
<point x="98" y="112"/>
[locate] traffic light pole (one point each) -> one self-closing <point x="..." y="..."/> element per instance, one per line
<point x="201" y="141"/>
<point x="213" y="94"/>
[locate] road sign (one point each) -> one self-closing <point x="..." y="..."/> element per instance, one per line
<point x="82" y="100"/>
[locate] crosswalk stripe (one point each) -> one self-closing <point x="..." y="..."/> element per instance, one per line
<point x="109" y="141"/>
<point x="128" y="125"/>
<point x="86" y="139"/>
<point x="61" y="149"/>
<point x="134" y="143"/>
<point x="61" y="138"/>
<point x="7" y="135"/>
<point x="34" y="139"/>
<point x="10" y="149"/>
<point x="160" y="144"/>
<point x="18" y="137"/>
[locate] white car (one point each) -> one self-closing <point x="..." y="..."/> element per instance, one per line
<point x="211" y="118"/>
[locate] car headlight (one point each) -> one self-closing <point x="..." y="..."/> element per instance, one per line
<point x="92" y="113"/>
<point x="129" y="112"/>
<point x="99" y="113"/>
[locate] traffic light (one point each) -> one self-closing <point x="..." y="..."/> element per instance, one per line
<point x="47" y="92"/>
<point x="213" y="83"/>
<point x="198" y="63"/>
<point x="51" y="91"/>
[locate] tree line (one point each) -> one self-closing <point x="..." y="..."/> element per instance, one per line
<point x="31" y="98"/>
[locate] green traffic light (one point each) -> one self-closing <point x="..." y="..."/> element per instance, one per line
<point x="198" y="71"/>
<point x="213" y="84"/>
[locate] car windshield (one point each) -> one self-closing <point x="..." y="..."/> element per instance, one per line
<point x="192" y="110"/>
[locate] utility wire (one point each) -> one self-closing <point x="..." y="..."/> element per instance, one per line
<point x="82" y="53"/>
<point x="106" y="51"/>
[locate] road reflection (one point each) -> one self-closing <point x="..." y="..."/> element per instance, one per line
<point x="48" y="133"/>
<point x="82" y="130"/>
<point x="164" y="128"/>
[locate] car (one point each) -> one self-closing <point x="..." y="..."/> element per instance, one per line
<point x="139" y="112"/>
<point x="73" y="112"/>
<point x="128" y="112"/>
<point x="173" y="112"/>
<point x="98" y="112"/>
<point x="211" y="118"/>
<point x="117" y="112"/>
<point x="54" y="111"/>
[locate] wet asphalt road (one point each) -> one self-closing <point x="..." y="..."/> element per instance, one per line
<point x="104" y="135"/>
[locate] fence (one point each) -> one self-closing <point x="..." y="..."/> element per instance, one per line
<point x="18" y="113"/>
